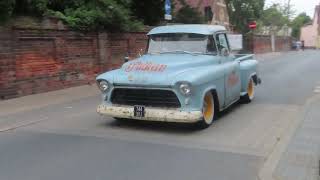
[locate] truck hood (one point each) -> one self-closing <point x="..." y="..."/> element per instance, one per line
<point x="160" y="69"/>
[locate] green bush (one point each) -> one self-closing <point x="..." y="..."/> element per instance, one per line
<point x="84" y="15"/>
<point x="6" y="9"/>
<point x="99" y="15"/>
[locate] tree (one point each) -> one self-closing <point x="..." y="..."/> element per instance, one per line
<point x="298" y="22"/>
<point x="188" y="15"/>
<point x="151" y="12"/>
<point x="6" y="9"/>
<point x="275" y="18"/>
<point x="99" y="15"/>
<point x="242" y="12"/>
<point x="85" y="15"/>
<point x="287" y="8"/>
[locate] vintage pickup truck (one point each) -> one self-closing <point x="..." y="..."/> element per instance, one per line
<point x="187" y="75"/>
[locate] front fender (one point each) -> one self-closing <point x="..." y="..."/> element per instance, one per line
<point x="198" y="76"/>
<point x="204" y="79"/>
<point x="108" y="76"/>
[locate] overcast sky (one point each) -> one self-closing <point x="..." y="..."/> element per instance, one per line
<point x="299" y="5"/>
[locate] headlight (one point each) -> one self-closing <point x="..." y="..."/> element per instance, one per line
<point x="103" y="85"/>
<point x="185" y="89"/>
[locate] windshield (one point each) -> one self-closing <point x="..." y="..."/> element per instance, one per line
<point x="181" y="43"/>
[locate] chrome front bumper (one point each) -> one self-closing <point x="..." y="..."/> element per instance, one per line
<point x="151" y="114"/>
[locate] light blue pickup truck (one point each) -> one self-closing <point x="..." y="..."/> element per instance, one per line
<point x="187" y="75"/>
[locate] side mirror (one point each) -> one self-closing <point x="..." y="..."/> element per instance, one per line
<point x="140" y="52"/>
<point x="126" y="59"/>
<point x="224" y="52"/>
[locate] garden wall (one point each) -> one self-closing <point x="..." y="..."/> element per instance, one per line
<point x="40" y="60"/>
<point x="47" y="56"/>
<point x="263" y="44"/>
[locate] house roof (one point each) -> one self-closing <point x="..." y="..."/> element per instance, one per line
<point x="194" y="28"/>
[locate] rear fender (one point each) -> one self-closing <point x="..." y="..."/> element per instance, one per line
<point x="248" y="70"/>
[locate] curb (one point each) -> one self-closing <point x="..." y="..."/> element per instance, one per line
<point x="301" y="159"/>
<point x="37" y="101"/>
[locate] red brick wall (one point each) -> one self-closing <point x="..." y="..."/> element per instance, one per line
<point x="283" y="43"/>
<point x="262" y="43"/>
<point x="39" y="60"/>
<point x="45" y="59"/>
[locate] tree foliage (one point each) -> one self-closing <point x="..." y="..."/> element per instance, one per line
<point x="6" y="9"/>
<point x="78" y="14"/>
<point x="241" y="12"/>
<point x="151" y="12"/>
<point x="274" y="17"/>
<point x="98" y="15"/>
<point x="188" y="15"/>
<point x="298" y="22"/>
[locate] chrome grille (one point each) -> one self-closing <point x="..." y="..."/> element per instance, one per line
<point x="145" y="97"/>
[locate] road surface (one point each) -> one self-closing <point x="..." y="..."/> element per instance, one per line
<point x="69" y="140"/>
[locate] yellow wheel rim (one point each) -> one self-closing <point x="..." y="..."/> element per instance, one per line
<point x="250" y="89"/>
<point x="208" y="108"/>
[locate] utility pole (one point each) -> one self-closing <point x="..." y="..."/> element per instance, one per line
<point x="288" y="14"/>
<point x="289" y="9"/>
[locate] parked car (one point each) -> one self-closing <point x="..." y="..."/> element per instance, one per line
<point x="187" y="75"/>
<point x="296" y="45"/>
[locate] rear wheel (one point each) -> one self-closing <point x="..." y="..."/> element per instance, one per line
<point x="250" y="92"/>
<point x="208" y="111"/>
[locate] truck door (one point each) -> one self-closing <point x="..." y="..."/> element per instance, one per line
<point x="232" y="70"/>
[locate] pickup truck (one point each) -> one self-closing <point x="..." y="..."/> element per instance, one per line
<point x="187" y="75"/>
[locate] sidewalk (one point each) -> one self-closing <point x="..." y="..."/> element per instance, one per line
<point x="301" y="159"/>
<point x="37" y="101"/>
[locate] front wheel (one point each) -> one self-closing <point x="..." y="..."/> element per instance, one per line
<point x="208" y="111"/>
<point x="120" y="119"/>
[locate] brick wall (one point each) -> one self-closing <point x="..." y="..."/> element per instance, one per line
<point x="262" y="44"/>
<point x="40" y="60"/>
<point x="50" y="57"/>
<point x="283" y="43"/>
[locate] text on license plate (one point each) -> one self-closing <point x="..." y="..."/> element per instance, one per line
<point x="139" y="111"/>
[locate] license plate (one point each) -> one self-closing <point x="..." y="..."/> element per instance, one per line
<point x="139" y="111"/>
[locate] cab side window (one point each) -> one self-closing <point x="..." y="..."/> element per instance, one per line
<point x="211" y="46"/>
<point x="222" y="42"/>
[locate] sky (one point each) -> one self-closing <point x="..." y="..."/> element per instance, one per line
<point x="299" y="5"/>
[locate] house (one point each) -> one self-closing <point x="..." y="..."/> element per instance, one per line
<point x="310" y="33"/>
<point x="215" y="9"/>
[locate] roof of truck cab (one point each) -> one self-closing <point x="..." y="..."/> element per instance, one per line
<point x="194" y="28"/>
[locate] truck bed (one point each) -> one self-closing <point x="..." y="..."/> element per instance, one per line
<point x="243" y="57"/>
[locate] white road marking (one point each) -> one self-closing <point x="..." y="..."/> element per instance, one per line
<point x="22" y="124"/>
<point x="316" y="89"/>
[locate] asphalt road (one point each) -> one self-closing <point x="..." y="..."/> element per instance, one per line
<point x="70" y="141"/>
